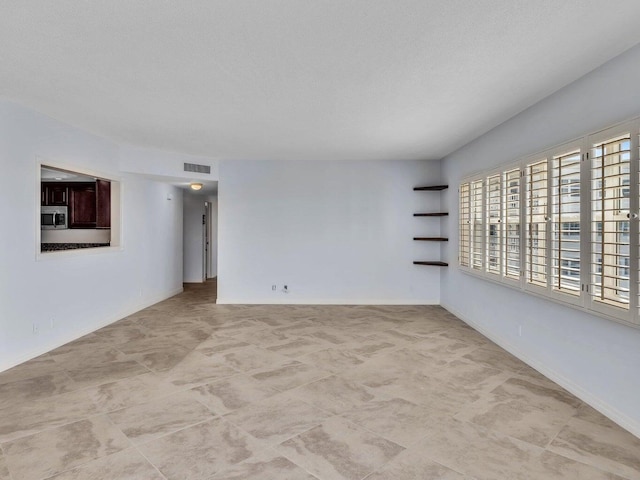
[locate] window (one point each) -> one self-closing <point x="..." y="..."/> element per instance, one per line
<point x="511" y="216"/>
<point x="477" y="224"/>
<point x="563" y="224"/>
<point x="464" y="242"/>
<point x="536" y="214"/>
<point x="610" y="206"/>
<point x="494" y="232"/>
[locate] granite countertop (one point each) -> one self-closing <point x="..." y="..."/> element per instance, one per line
<point x="55" y="247"/>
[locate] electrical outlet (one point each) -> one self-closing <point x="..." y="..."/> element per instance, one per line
<point x="36" y="328"/>
<point x="285" y="289"/>
<point x="53" y="323"/>
<point x="519" y="330"/>
<point x="274" y="287"/>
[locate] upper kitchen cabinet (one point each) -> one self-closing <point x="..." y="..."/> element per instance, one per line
<point x="82" y="205"/>
<point x="103" y="204"/>
<point x="90" y="204"/>
<point x="54" y="194"/>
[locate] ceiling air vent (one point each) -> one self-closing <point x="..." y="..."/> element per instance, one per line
<point x="194" y="167"/>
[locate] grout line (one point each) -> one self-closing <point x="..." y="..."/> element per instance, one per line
<point x="149" y="462"/>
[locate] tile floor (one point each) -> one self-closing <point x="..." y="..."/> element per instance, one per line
<point x="187" y="389"/>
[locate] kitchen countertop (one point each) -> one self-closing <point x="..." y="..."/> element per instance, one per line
<point x="55" y="247"/>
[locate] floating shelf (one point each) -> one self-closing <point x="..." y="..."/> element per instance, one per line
<point x="431" y="188"/>
<point x="431" y="239"/>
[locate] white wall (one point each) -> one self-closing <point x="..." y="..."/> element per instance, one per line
<point x="213" y="239"/>
<point x="79" y="290"/>
<point x="151" y="163"/>
<point x="334" y="232"/>
<point x="595" y="358"/>
<point x="193" y="237"/>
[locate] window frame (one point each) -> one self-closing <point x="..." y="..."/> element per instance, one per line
<point x="630" y="315"/>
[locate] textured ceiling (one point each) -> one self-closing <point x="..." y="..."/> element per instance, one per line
<point x="301" y="79"/>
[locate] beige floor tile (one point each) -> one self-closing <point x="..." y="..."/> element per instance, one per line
<point x="471" y="377"/>
<point x="338" y="450"/>
<point x="87" y="376"/>
<point x="37" y="367"/>
<point x="332" y="336"/>
<point x="266" y="465"/>
<point x="495" y="358"/>
<point x="88" y="354"/>
<point x="475" y="451"/>
<point x="444" y="348"/>
<point x="333" y="360"/>
<point x="297" y="347"/>
<point x="545" y="396"/>
<point x="414" y="359"/>
<point x="159" y="358"/>
<point x="606" y="447"/>
<point x="265" y="337"/>
<point x="277" y="418"/>
<point x="84" y="344"/>
<point x="63" y="448"/>
<point x="219" y="344"/>
<point x="28" y="418"/>
<point x="290" y="375"/>
<point x="557" y="467"/>
<point x="396" y="419"/>
<point x="199" y="452"/>
<point x="125" y="465"/>
<point x="466" y="335"/>
<point x="197" y="369"/>
<point x="590" y="414"/>
<point x="124" y="331"/>
<point x="412" y="464"/>
<point x="235" y="328"/>
<point x="378" y="372"/>
<point x="35" y="388"/>
<point x="396" y="337"/>
<point x="413" y="386"/>
<point x="334" y="394"/>
<point x="516" y="418"/>
<point x="423" y="328"/>
<point x="227" y="395"/>
<point x="130" y="391"/>
<point x="4" y="471"/>
<point x="244" y="359"/>
<point x="154" y="419"/>
<point x="369" y="347"/>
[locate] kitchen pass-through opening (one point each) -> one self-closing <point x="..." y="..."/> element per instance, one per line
<point x="78" y="210"/>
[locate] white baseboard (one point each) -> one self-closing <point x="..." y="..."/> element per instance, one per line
<point x="322" y="301"/>
<point x="629" y="424"/>
<point x="42" y="349"/>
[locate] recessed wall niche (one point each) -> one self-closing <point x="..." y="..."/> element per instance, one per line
<point x="78" y="210"/>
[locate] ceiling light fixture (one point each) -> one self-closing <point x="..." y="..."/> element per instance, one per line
<point x="195" y="186"/>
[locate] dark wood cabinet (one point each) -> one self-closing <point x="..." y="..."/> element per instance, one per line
<point x="82" y="205"/>
<point x="103" y="204"/>
<point x="54" y="194"/>
<point x="89" y="202"/>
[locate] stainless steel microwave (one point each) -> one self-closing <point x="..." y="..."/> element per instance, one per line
<point x="54" y="218"/>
